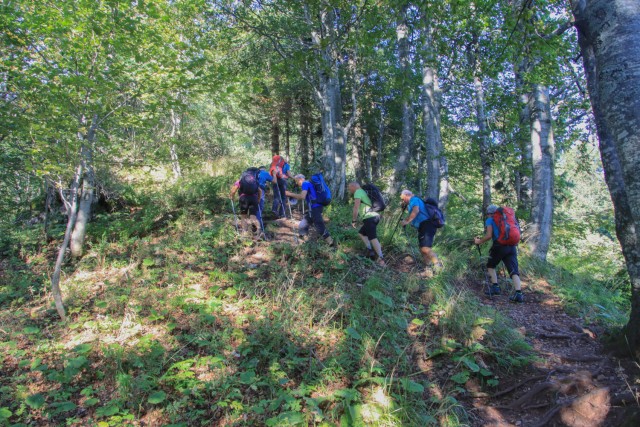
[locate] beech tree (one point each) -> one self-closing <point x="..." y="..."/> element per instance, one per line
<point x="609" y="38"/>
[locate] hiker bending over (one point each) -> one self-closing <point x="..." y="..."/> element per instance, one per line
<point x="418" y="217"/>
<point x="363" y="208"/>
<point x="314" y="214"/>
<point x="263" y="177"/>
<point x="250" y="194"/>
<point x="280" y="171"/>
<point x="504" y="248"/>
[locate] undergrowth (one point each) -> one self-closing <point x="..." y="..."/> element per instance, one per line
<point x="170" y="324"/>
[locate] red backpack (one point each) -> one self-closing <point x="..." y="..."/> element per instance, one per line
<point x="505" y="219"/>
<point x="276" y="166"/>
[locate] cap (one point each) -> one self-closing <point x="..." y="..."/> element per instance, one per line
<point x="491" y="209"/>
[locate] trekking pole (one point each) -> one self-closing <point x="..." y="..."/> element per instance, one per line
<point x="396" y="228"/>
<point x="281" y="203"/>
<point x="486" y="273"/>
<point x="263" y="231"/>
<point x="234" y="215"/>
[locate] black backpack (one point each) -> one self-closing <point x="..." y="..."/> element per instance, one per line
<point x="435" y="214"/>
<point x="377" y="201"/>
<point x="249" y="182"/>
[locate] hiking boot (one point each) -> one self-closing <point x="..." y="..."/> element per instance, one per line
<point x="517" y="297"/>
<point x="426" y="274"/>
<point x="371" y="254"/>
<point x="381" y="263"/>
<point x="330" y="241"/>
<point x="494" y="290"/>
<point x="438" y="267"/>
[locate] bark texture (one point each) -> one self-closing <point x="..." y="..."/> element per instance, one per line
<point x="609" y="38"/>
<point x="543" y="166"/>
<point x="406" y="144"/>
<point x="87" y="195"/>
<point x="483" y="143"/>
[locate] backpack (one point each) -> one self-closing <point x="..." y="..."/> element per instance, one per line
<point x="508" y="226"/>
<point x="323" y="194"/>
<point x="435" y="214"/>
<point x="377" y="201"/>
<point x="249" y="182"/>
<point x="276" y="165"/>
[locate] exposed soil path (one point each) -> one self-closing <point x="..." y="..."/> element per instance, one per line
<point x="574" y="381"/>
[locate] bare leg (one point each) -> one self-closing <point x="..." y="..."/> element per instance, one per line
<point x="493" y="275"/>
<point x="429" y="256"/>
<point x="378" y="248"/>
<point x="366" y="241"/>
<point x="516" y="282"/>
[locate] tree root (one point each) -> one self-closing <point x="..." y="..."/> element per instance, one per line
<point x="541" y="387"/>
<point x="517" y="386"/>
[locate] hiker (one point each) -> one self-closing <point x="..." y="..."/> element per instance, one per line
<point x="263" y="177"/>
<point x="507" y="252"/>
<point x="280" y="171"/>
<point x="314" y="214"/>
<point x="249" y="201"/>
<point x="363" y="208"/>
<point x="419" y="218"/>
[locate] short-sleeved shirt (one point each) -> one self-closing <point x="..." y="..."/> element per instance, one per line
<point x="285" y="169"/>
<point x="311" y="193"/>
<point x="263" y="177"/>
<point x="422" y="216"/>
<point x="365" y="204"/>
<point x="496" y="231"/>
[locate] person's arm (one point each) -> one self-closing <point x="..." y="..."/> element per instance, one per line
<point x="300" y="196"/>
<point x="356" y="209"/>
<point x="234" y="190"/>
<point x="487" y="236"/>
<point x="414" y="213"/>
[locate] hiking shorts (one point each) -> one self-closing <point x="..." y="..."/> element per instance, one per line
<point x="426" y="233"/>
<point x="370" y="227"/>
<point x="507" y="254"/>
<point x="249" y="204"/>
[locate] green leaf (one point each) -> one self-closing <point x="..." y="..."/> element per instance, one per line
<point x="471" y="364"/>
<point x="5" y="413"/>
<point x="247" y="377"/>
<point x="82" y="348"/>
<point x="413" y="387"/>
<point x="101" y="304"/>
<point x="230" y="292"/>
<point x="148" y="262"/>
<point x="157" y="397"/>
<point x="35" y="401"/>
<point x="417" y="322"/>
<point x="353" y="333"/>
<point x="461" y="377"/>
<point x="107" y="411"/>
<point x="30" y="330"/>
<point x="380" y="297"/>
<point x="91" y="402"/>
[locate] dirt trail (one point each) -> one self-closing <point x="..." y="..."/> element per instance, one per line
<point x="573" y="383"/>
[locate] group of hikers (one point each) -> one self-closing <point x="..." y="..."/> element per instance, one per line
<point x="501" y="226"/>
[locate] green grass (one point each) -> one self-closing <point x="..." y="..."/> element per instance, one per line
<point x="167" y="324"/>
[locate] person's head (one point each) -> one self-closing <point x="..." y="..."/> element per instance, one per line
<point x="491" y="209"/>
<point x="353" y="187"/>
<point x="299" y="179"/>
<point x="262" y="168"/>
<point x="405" y="196"/>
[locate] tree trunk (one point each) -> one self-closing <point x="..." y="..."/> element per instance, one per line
<point x="366" y="148"/>
<point x="483" y="142"/>
<point x="431" y="120"/>
<point x="305" y="131"/>
<point x="50" y="192"/>
<point x="72" y="213"/>
<point x="609" y="38"/>
<point x="275" y="133"/>
<point x="87" y="192"/>
<point x="287" y="127"/>
<point x="543" y="166"/>
<point x="175" y="130"/>
<point x="406" y="144"/>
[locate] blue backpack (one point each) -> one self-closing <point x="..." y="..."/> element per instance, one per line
<point x="434" y="213"/>
<point x="323" y="194"/>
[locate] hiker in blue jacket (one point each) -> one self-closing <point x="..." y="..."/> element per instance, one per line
<point x="314" y="214"/>
<point x="418" y="217"/>
<point x="263" y="177"/>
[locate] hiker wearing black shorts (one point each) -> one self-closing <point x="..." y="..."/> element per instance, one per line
<point x="314" y="214"/>
<point x="418" y="217"/>
<point x="362" y="208"/>
<point x="249" y="207"/>
<point x="498" y="252"/>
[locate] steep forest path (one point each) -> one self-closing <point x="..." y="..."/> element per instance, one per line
<point x="573" y="380"/>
